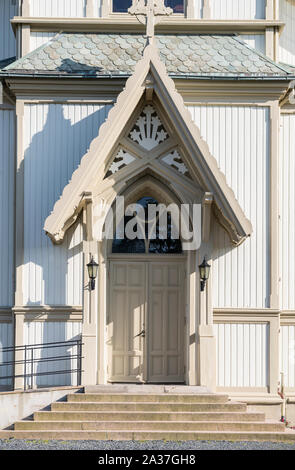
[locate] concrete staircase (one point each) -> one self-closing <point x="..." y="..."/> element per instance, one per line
<point x="148" y="416"/>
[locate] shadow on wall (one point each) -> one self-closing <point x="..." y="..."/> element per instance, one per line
<point x="60" y="136"/>
<point x="260" y="8"/>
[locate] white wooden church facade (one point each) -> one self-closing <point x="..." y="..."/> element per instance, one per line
<point x="238" y="335"/>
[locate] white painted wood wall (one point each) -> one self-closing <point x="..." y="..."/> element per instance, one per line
<point x="6" y="340"/>
<point x="220" y="9"/>
<point x="287" y="211"/>
<point x="48" y="332"/>
<point x="287" y="346"/>
<point x="66" y="8"/>
<point x="242" y="354"/>
<point x="256" y="41"/>
<point x="37" y="39"/>
<point x="56" y="137"/>
<point x="7" y="152"/>
<point x="238" y="137"/>
<point x="8" y="10"/>
<point x="198" y="8"/>
<point x="287" y="38"/>
<point x="237" y="9"/>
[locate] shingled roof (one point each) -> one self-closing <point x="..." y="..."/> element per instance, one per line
<point x="199" y="55"/>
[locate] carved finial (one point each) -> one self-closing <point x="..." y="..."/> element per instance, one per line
<point x="146" y="11"/>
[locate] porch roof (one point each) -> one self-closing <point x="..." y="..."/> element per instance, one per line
<point x="190" y="56"/>
<point x="149" y="81"/>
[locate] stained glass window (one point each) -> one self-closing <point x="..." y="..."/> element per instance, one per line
<point x="121" y="6"/>
<point x="176" y="5"/>
<point x="146" y="242"/>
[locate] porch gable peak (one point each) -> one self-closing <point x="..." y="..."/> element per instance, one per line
<point x="150" y="77"/>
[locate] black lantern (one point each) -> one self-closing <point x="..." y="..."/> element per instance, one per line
<point x="92" y="272"/>
<point x="204" y="270"/>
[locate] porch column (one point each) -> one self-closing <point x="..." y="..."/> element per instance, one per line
<point x="19" y="245"/>
<point x="105" y="8"/>
<point x="206" y="10"/>
<point x="90" y="8"/>
<point x="25" y="8"/>
<point x="89" y="336"/>
<point x="207" y="340"/>
<point x="101" y="324"/>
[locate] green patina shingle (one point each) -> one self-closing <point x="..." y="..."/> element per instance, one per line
<point x="117" y="54"/>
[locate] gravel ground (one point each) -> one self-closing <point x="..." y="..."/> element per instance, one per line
<point x="14" y="444"/>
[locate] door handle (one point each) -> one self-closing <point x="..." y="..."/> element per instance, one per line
<point x="142" y="334"/>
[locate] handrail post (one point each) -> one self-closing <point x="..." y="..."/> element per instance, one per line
<point x="80" y="362"/>
<point x="32" y="368"/>
<point x="25" y="369"/>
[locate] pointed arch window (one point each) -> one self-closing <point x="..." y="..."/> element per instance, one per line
<point x="153" y="238"/>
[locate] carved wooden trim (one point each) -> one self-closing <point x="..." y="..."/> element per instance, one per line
<point x="92" y="169"/>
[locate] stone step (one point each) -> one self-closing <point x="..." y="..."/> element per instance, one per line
<point x="149" y="426"/>
<point x="147" y="398"/>
<point x="147" y="416"/>
<point x="151" y="435"/>
<point x="141" y="406"/>
<point x="154" y="389"/>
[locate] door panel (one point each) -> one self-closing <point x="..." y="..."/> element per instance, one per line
<point x="126" y="320"/>
<point x="165" y="323"/>
<point x="146" y="295"/>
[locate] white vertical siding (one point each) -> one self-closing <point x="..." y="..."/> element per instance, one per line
<point x="52" y="332"/>
<point x="238" y="137"/>
<point x="287" y="37"/>
<point x="6" y="340"/>
<point x="97" y="8"/>
<point x="56" y="138"/>
<point x="256" y="41"/>
<point x="38" y="39"/>
<point x="242" y="354"/>
<point x="287" y="342"/>
<point x="198" y="5"/>
<point x="8" y="10"/>
<point x="237" y="9"/>
<point x="287" y="211"/>
<point x="66" y="8"/>
<point x="7" y="157"/>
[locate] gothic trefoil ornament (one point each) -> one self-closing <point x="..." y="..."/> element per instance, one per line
<point x="146" y="12"/>
<point x="148" y="130"/>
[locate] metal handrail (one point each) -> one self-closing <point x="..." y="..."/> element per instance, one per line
<point x="29" y="360"/>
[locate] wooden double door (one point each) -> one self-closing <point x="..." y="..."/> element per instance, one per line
<point x="145" y="321"/>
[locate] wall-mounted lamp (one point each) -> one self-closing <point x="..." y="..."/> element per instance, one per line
<point x="92" y="272"/>
<point x="204" y="270"/>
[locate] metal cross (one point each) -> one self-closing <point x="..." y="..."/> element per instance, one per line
<point x="147" y="10"/>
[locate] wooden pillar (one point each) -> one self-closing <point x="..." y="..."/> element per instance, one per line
<point x="105" y="8"/>
<point x="274" y="205"/>
<point x="270" y="42"/>
<point x="101" y="324"/>
<point x="190" y="9"/>
<point x="192" y="327"/>
<point x="19" y="242"/>
<point x="207" y="340"/>
<point x="269" y="10"/>
<point x="89" y="336"/>
<point x="25" y="9"/>
<point x="206" y="9"/>
<point x="274" y="354"/>
<point x="25" y="39"/>
<point x="90" y="8"/>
